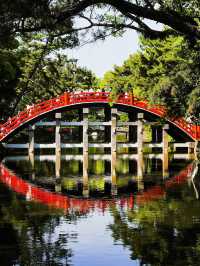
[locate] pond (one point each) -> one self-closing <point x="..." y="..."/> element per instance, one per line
<point x="51" y="220"/>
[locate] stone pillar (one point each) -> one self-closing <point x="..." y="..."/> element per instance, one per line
<point x="113" y="147"/>
<point x="31" y="149"/>
<point x="85" y="146"/>
<point x="57" y="136"/>
<point x="165" y="151"/>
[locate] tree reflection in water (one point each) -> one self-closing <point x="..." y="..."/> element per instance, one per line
<point x="28" y="233"/>
<point x="162" y="232"/>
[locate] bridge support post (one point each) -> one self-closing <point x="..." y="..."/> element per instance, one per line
<point x="57" y="137"/>
<point x="191" y="147"/>
<point x="32" y="161"/>
<point x="58" y="187"/>
<point x="132" y="131"/>
<point x="140" y="172"/>
<point x="58" y="145"/>
<point x="31" y="142"/>
<point x="165" y="151"/>
<point x="197" y="150"/>
<point x="113" y="148"/>
<point x="85" y="147"/>
<point x="80" y="128"/>
<point x="107" y="129"/>
<point x="140" y="161"/>
<point x="140" y="130"/>
<point x="58" y="165"/>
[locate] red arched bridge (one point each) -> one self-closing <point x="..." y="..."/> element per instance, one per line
<point x="36" y="111"/>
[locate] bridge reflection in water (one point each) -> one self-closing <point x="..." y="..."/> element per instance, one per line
<point x="68" y="183"/>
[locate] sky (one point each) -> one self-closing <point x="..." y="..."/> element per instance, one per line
<point x="100" y="57"/>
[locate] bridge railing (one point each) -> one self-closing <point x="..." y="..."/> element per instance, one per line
<point x="80" y="97"/>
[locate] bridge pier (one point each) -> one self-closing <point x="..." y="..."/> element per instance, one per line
<point x="80" y="128"/>
<point x="132" y="131"/>
<point x="140" y="172"/>
<point x="140" y="131"/>
<point x="165" y="151"/>
<point x="57" y="134"/>
<point x="107" y="129"/>
<point x="140" y="161"/>
<point x="191" y="150"/>
<point x="85" y="147"/>
<point x="31" y="149"/>
<point x="58" y="144"/>
<point x="113" y="147"/>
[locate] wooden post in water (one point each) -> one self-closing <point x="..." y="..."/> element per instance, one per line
<point x="113" y="148"/>
<point x="58" y="145"/>
<point x="80" y="128"/>
<point x="107" y="129"/>
<point x="165" y="151"/>
<point x="191" y="147"/>
<point x="31" y="142"/>
<point x="85" y="147"/>
<point x="132" y="131"/>
<point x="57" y="137"/>
<point x="58" y="164"/>
<point x="140" y="140"/>
<point x="31" y="151"/>
<point x="140" y="130"/>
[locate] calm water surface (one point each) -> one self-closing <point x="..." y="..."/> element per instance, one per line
<point x="149" y="220"/>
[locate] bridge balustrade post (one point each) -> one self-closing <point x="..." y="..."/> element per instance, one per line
<point x="113" y="147"/>
<point x="85" y="147"/>
<point x="31" y="142"/>
<point x="165" y="151"/>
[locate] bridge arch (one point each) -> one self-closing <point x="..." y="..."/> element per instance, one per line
<point x="68" y="101"/>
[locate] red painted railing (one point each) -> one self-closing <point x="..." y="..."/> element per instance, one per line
<point x="68" y="99"/>
<point x="82" y="206"/>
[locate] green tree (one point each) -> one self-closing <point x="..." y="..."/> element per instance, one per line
<point x="164" y="72"/>
<point x="59" y="17"/>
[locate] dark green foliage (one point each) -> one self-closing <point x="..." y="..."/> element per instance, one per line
<point x="164" y="72"/>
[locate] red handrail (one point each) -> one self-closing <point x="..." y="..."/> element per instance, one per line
<point x="68" y="99"/>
